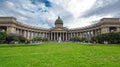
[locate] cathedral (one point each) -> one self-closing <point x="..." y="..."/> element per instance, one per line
<point x="106" y="25"/>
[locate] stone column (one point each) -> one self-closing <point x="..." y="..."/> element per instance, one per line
<point x="34" y="34"/>
<point x="51" y="35"/>
<point x="57" y="36"/>
<point x="23" y="33"/>
<point x="38" y="33"/>
<point x="26" y="34"/>
<point x="41" y="34"/>
<point x="85" y="34"/>
<point x="63" y="36"/>
<point x="48" y="36"/>
<point x="60" y="36"/>
<point x="97" y="32"/>
<point x="31" y="34"/>
<point x="71" y="34"/>
<point x="11" y="30"/>
<point x="54" y="36"/>
<point x="93" y="32"/>
<point x="100" y="30"/>
<point x="17" y="31"/>
<point x="105" y="30"/>
<point x="80" y="34"/>
<point x="90" y="34"/>
<point x="118" y="29"/>
<point x="45" y="34"/>
<point x="66" y="36"/>
<point x="77" y="34"/>
<point x="74" y="34"/>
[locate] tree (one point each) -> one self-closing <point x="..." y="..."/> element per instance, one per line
<point x="14" y="37"/>
<point x="39" y="38"/>
<point x="78" y="39"/>
<point x="113" y="37"/>
<point x="2" y="37"/>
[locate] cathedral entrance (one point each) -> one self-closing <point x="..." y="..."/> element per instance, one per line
<point x="56" y="35"/>
<point x="58" y="32"/>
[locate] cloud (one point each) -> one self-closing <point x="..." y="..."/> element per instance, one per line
<point x="103" y="8"/>
<point x="75" y="13"/>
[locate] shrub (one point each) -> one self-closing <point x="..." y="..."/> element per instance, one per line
<point x="2" y="37"/>
<point x="113" y="37"/>
<point x="39" y="39"/>
<point x="78" y="39"/>
<point x="14" y="37"/>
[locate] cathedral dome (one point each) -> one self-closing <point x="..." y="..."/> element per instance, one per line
<point x="59" y="21"/>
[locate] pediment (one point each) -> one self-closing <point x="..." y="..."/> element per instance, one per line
<point x="59" y="29"/>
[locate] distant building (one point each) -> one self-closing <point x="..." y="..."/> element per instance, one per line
<point x="106" y="25"/>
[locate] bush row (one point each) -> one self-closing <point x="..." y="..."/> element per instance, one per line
<point x="113" y="37"/>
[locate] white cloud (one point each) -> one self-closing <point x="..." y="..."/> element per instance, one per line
<point x="10" y="4"/>
<point x="42" y="16"/>
<point x="77" y="7"/>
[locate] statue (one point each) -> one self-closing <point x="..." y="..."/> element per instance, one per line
<point x="59" y="39"/>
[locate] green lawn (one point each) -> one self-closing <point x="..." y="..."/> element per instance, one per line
<point x="53" y="54"/>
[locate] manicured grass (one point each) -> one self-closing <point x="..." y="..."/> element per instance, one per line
<point x="53" y="54"/>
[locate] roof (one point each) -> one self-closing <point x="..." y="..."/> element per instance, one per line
<point x="59" y="21"/>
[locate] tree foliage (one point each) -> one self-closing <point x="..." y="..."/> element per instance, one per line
<point x="3" y="35"/>
<point x="78" y="39"/>
<point x="39" y="38"/>
<point x="14" y="37"/>
<point x="113" y="37"/>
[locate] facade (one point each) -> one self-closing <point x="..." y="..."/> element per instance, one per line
<point x="106" y="25"/>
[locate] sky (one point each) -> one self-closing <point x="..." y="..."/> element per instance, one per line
<point x="74" y="13"/>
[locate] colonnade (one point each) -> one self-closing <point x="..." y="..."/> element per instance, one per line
<point x="54" y="36"/>
<point x="85" y="33"/>
<point x="105" y="25"/>
<point x="64" y="35"/>
<point x="30" y="34"/>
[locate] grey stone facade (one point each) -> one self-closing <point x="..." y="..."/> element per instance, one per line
<point x="105" y="25"/>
